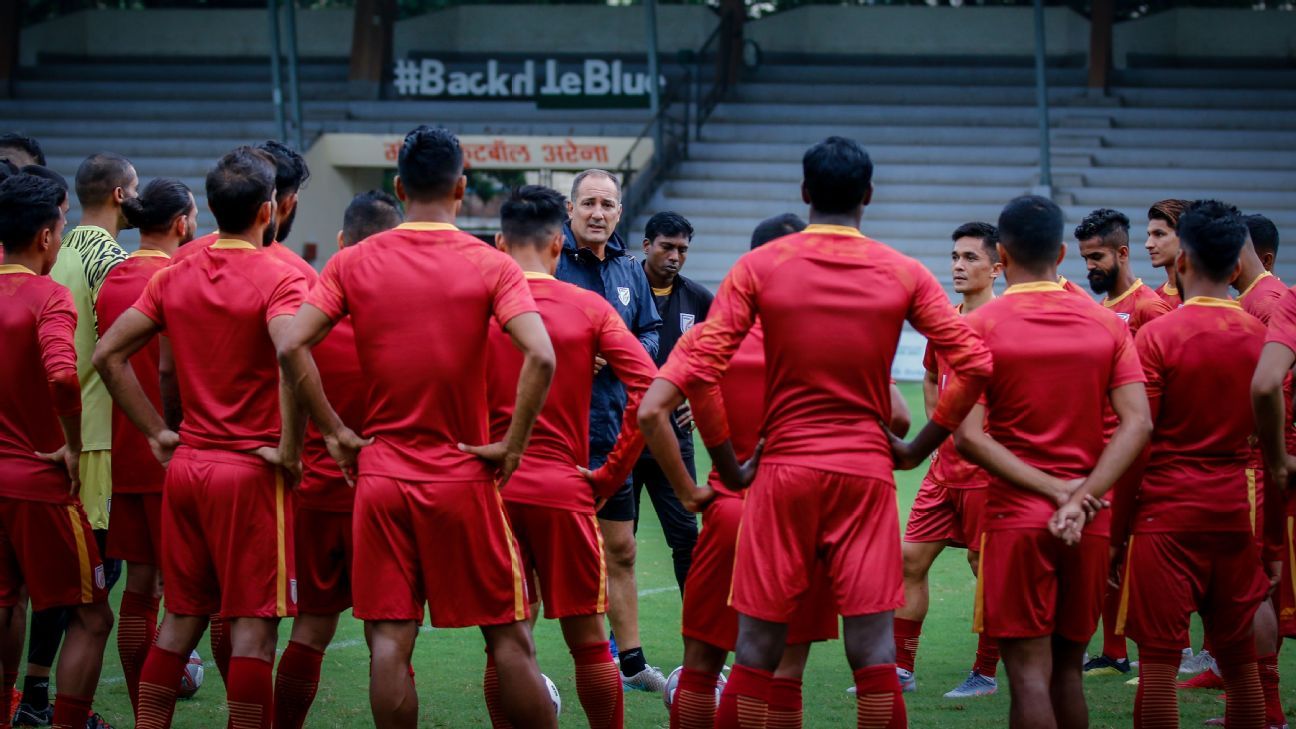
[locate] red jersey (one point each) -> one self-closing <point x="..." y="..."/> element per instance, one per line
<point x="221" y="300"/>
<point x="1195" y="480"/>
<point x="134" y="469"/>
<point x="1170" y="294"/>
<point x="421" y="297"/>
<point x="948" y="468"/>
<point x="1138" y="306"/>
<point x="1056" y="358"/>
<point x="1072" y="288"/>
<point x="323" y="486"/>
<point x="37" y="322"/>
<point x="1282" y="330"/>
<point x="832" y="304"/>
<point x="735" y="408"/>
<point x="1263" y="296"/>
<point x="279" y="250"/>
<point x="581" y="324"/>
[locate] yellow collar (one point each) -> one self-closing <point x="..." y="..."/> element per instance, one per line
<point x="1034" y="287"/>
<point x="233" y="244"/>
<point x="1212" y="301"/>
<point x="537" y="276"/>
<point x="426" y="226"/>
<point x="1253" y="285"/>
<point x="832" y="230"/>
<point x="148" y="253"/>
<point x="1133" y="287"/>
<point x="15" y="268"/>
<point x="1170" y="290"/>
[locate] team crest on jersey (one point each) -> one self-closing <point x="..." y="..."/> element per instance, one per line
<point x="686" y="322"/>
<point x="100" y="582"/>
<point x="623" y="295"/>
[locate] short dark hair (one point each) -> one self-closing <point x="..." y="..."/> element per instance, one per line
<point x="430" y="163"/>
<point x="776" y="227"/>
<point x="369" y="213"/>
<point x="1212" y="234"/>
<point x="7" y="169"/>
<point x="669" y="224"/>
<point x="1264" y="234"/>
<point x="238" y="185"/>
<point x="48" y="174"/>
<point x="1030" y="228"/>
<point x="28" y="145"/>
<point x="532" y="214"/>
<point x="291" y="172"/>
<point x="988" y="234"/>
<point x="838" y="173"/>
<point x="99" y="175"/>
<point x="1112" y="226"/>
<point x="159" y="202"/>
<point x="28" y="205"/>
<point x="1168" y="210"/>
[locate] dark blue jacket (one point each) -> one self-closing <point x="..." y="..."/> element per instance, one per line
<point x="621" y="280"/>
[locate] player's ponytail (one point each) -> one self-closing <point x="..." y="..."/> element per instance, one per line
<point x="158" y="204"/>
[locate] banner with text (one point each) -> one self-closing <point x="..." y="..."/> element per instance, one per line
<point x="502" y="152"/>
<point x="590" y="83"/>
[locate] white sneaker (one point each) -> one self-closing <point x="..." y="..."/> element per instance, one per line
<point x="974" y="685"/>
<point x="1203" y="661"/>
<point x="908" y="684"/>
<point x="650" y="679"/>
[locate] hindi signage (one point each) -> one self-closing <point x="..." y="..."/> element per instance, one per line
<point x="498" y="152"/>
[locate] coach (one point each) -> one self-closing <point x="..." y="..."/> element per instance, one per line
<point x="595" y="258"/>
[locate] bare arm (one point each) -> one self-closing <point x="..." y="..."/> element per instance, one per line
<point x="655" y="412"/>
<point x="977" y="446"/>
<point x="292" y="415"/>
<point x="128" y="335"/>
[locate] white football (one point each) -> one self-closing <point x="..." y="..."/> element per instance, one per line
<point x="553" y="694"/>
<point x="192" y="679"/>
<point x="672" y="685"/>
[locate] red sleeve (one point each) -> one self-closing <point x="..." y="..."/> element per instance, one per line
<point x="731" y="317"/>
<point x="1149" y="308"/>
<point x="150" y="302"/>
<point x="56" y="331"/>
<point x="969" y="361"/>
<point x="1126" y="368"/>
<point x="705" y="398"/>
<point x="327" y="294"/>
<point x="635" y="369"/>
<point x="288" y="294"/>
<point x="509" y="290"/>
<point x="1282" y="322"/>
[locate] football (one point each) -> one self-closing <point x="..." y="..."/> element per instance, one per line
<point x="553" y="694"/>
<point x="672" y="684"/>
<point x="192" y="680"/>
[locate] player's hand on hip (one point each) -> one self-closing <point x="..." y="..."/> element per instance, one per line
<point x="699" y="499"/>
<point x="747" y="471"/>
<point x="70" y="459"/>
<point x="684" y="418"/>
<point x="902" y="455"/>
<point x="290" y="463"/>
<point x="344" y="446"/>
<point x="599" y="363"/>
<point x="1273" y="571"/>
<point x="164" y="445"/>
<point x="506" y="461"/>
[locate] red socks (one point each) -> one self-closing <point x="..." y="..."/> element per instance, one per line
<point x="70" y="712"/>
<point x="1244" y="705"/>
<point x="158" y="685"/>
<point x="296" y="681"/>
<point x="218" y="633"/>
<point x="1157" y="702"/>
<point x="784" y="704"/>
<point x="878" y="703"/>
<point x="6" y="701"/>
<point x="987" y="656"/>
<point x="1268" y="666"/>
<point x="250" y="693"/>
<point x="1113" y="645"/>
<point x="745" y="701"/>
<point x="491" y="689"/>
<point x="598" y="685"/>
<point x="694" y="706"/>
<point x="906" y="642"/>
<point x="136" y="628"/>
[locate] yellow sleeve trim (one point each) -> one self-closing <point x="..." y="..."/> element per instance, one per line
<point x="1034" y="287"/>
<point x="1212" y="301"/>
<point x="233" y="244"/>
<point x="1109" y="303"/>
<point x="821" y="229"/>
<point x="537" y="276"/>
<point x="1253" y="285"/>
<point x="15" y="268"/>
<point x="148" y="253"/>
<point x="418" y="225"/>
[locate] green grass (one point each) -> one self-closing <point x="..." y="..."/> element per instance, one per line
<point x="449" y="662"/>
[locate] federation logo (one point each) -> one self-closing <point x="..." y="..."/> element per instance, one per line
<point x="686" y="322"/>
<point x="623" y="295"/>
<point x="100" y="582"/>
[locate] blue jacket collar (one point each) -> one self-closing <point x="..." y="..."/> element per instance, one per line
<point x="615" y="246"/>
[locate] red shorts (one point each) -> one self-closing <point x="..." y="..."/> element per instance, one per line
<point x="1255" y="495"/>
<point x="135" y="530"/>
<point x="942" y="514"/>
<point x="323" y="546"/>
<point x="1287" y="585"/>
<point x="226" y="536"/>
<point x="49" y="548"/>
<point x="1032" y="585"/>
<point x="448" y="544"/>
<point x="1169" y="576"/>
<point x="794" y="516"/>
<point x="564" y="550"/>
<point x="707" y="614"/>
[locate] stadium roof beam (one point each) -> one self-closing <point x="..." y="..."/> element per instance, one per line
<point x="1041" y="102"/>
